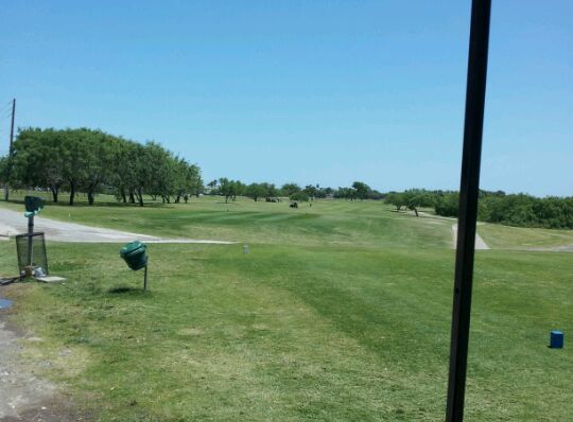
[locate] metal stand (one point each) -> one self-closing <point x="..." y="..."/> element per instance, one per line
<point x="469" y="189"/>
<point x="30" y="243"/>
<point x="145" y="278"/>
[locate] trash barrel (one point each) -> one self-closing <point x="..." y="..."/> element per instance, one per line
<point x="134" y="255"/>
<point x="33" y="204"/>
<point x="556" y="339"/>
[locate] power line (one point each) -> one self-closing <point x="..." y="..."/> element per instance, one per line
<point x="6" y="107"/>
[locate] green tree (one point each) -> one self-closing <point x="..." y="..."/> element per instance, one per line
<point x="311" y="191"/>
<point x="447" y="205"/>
<point x="289" y="188"/>
<point x="346" y="193"/>
<point x="99" y="151"/>
<point x="138" y="177"/>
<point x="300" y="196"/>
<point x="37" y="160"/>
<point x="194" y="181"/>
<point x="160" y="171"/>
<point x="397" y="199"/>
<point x="90" y="160"/>
<point x="230" y="188"/>
<point x="271" y="190"/>
<point x="4" y="175"/>
<point x="179" y="179"/>
<point x="256" y="191"/>
<point x="362" y="190"/>
<point x="416" y="198"/>
<point x="121" y="170"/>
<point x="74" y="160"/>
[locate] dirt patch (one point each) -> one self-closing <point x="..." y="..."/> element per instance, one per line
<point x="25" y="395"/>
<point x="58" y="409"/>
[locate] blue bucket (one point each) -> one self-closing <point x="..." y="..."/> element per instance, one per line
<point x="557" y="339"/>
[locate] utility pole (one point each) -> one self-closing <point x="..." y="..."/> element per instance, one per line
<point x="12" y="125"/>
<point x="6" y="187"/>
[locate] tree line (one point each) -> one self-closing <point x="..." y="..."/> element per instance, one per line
<point x="230" y="189"/>
<point x="92" y="161"/>
<point x="519" y="210"/>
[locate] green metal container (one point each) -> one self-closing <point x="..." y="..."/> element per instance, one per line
<point x="134" y="255"/>
<point x="33" y="205"/>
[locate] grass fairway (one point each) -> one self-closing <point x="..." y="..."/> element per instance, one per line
<point x="368" y="223"/>
<point x="307" y="326"/>
<point x="504" y="237"/>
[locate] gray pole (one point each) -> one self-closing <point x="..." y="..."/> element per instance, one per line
<point x="145" y="278"/>
<point x="12" y="125"/>
<point x="469" y="189"/>
<point x="6" y="187"/>
<point x="30" y="240"/>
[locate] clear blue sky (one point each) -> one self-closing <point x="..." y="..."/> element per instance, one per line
<point x="321" y="92"/>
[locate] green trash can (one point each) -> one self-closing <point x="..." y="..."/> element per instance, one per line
<point x="33" y="204"/>
<point x="134" y="255"/>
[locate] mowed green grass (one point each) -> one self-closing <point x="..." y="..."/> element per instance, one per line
<point x="367" y="223"/>
<point x="303" y="327"/>
<point x="504" y="237"/>
<point x="339" y="222"/>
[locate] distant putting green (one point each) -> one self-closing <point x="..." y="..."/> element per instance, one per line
<point x="339" y="312"/>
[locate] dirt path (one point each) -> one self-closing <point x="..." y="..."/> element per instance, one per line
<point x="480" y="244"/>
<point x="12" y="223"/>
<point x="26" y="397"/>
<point x="21" y="391"/>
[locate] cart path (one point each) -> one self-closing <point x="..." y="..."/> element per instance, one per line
<point x="479" y="245"/>
<point x="12" y="223"/>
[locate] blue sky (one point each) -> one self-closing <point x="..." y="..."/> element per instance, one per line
<point x="321" y="92"/>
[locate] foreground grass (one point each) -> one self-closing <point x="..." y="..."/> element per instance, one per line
<point x="291" y="333"/>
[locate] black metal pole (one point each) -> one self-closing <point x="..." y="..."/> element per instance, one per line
<point x="30" y="240"/>
<point x="469" y="190"/>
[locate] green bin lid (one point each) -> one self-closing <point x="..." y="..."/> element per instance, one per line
<point x="131" y="247"/>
